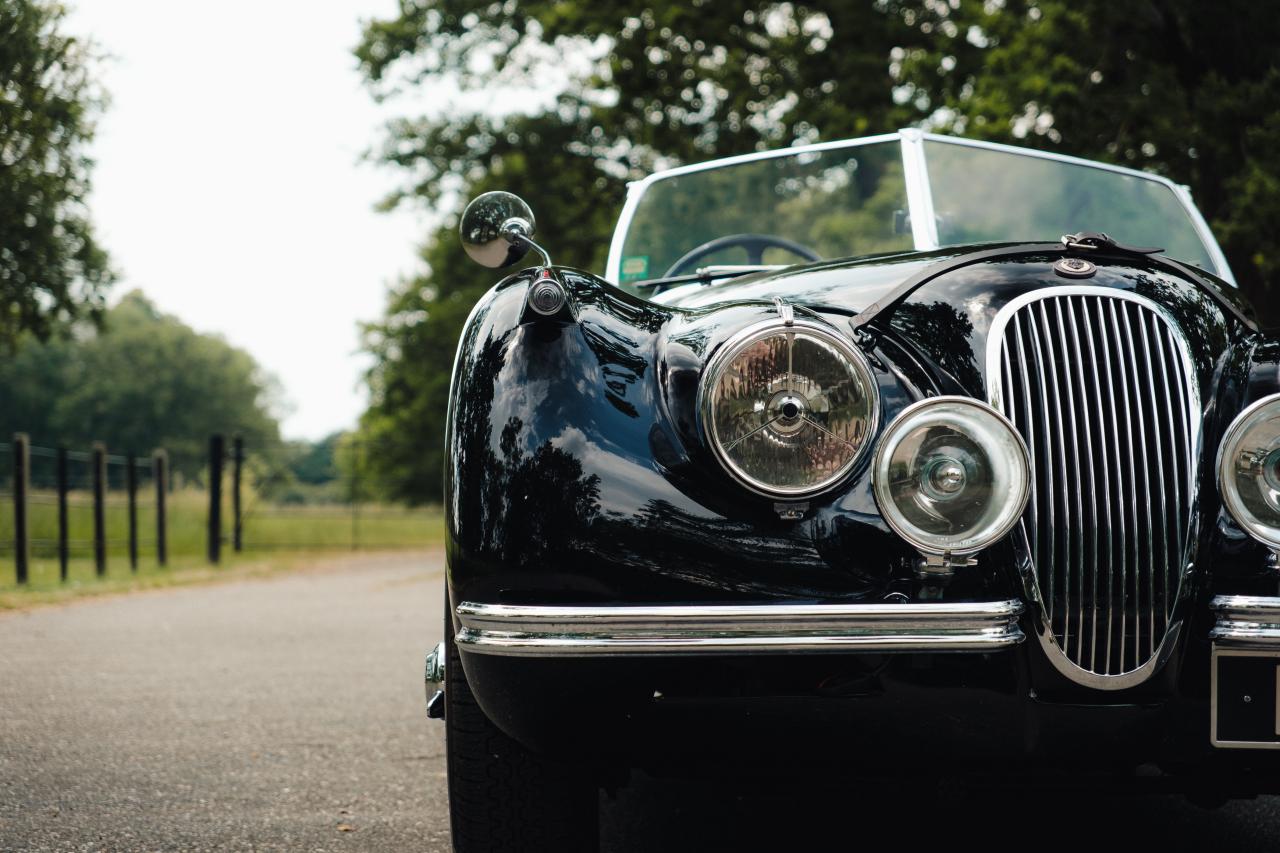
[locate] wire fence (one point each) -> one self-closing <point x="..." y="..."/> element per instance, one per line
<point x="70" y="514"/>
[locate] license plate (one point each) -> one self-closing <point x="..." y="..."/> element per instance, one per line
<point x="1245" y="712"/>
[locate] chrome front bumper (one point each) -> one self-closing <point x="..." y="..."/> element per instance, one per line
<point x="573" y="631"/>
<point x="1246" y="622"/>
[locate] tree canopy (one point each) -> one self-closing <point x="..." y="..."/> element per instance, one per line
<point x="52" y="270"/>
<point x="563" y="102"/>
<point x="146" y="380"/>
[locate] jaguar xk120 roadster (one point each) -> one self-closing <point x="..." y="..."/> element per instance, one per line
<point x="892" y="449"/>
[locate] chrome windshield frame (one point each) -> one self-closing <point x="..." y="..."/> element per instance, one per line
<point x="924" y="230"/>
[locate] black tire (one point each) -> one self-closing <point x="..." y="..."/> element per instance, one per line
<point x="502" y="797"/>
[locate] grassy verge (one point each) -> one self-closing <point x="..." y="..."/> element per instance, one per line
<point x="275" y="539"/>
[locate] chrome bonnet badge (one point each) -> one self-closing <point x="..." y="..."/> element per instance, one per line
<point x="1074" y="268"/>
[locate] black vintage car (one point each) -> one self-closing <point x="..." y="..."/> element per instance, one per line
<point x="894" y="449"/>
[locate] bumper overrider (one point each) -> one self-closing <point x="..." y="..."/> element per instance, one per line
<point x="1246" y="622"/>
<point x="583" y="631"/>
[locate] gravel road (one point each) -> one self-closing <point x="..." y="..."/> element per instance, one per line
<point x="287" y="714"/>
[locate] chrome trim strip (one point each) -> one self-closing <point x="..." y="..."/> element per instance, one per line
<point x="1246" y="621"/>
<point x="613" y="266"/>
<point x="1216" y="254"/>
<point x="697" y="629"/>
<point x="1112" y="316"/>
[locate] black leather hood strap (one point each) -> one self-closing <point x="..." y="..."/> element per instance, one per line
<point x="1084" y="244"/>
<point x="942" y="267"/>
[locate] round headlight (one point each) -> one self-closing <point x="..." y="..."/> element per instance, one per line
<point x="788" y="409"/>
<point x="1249" y="470"/>
<point x="952" y="475"/>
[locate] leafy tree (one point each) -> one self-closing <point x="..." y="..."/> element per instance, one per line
<point x="145" y="381"/>
<point x="572" y="158"/>
<point x="1188" y="90"/>
<point x="313" y="462"/>
<point x="414" y="344"/>
<point x="52" y="270"/>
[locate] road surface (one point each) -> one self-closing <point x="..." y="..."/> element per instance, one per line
<point x="287" y="714"/>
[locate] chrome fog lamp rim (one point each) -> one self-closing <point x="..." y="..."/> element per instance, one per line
<point x="752" y="334"/>
<point x="889" y="440"/>
<point x="1232" y="500"/>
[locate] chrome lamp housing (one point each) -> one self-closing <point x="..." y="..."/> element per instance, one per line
<point x="952" y="477"/>
<point x="788" y="407"/>
<point x="1249" y="471"/>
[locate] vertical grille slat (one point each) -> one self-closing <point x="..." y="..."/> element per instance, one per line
<point x="1125" y="441"/>
<point x="1101" y="493"/>
<point x="1116" y="546"/>
<point x="1029" y="434"/>
<point x="1046" y="520"/>
<point x="1097" y="383"/>
<point x="1160" y="587"/>
<point x="1142" y="521"/>
<point x="1063" y="523"/>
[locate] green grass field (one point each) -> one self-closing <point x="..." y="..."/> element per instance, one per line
<point x="275" y="538"/>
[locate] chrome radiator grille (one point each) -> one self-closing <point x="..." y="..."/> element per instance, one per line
<point x="1099" y="383"/>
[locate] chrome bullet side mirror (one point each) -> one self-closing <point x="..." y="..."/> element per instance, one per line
<point x="497" y="230"/>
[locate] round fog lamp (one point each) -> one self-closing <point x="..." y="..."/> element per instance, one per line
<point x="952" y="475"/>
<point x="1249" y="470"/>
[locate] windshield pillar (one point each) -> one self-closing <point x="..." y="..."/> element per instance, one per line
<point x="924" y="224"/>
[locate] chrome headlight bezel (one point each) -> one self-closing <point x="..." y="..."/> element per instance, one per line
<point x="734" y="346"/>
<point x="930" y="544"/>
<point x="1232" y="501"/>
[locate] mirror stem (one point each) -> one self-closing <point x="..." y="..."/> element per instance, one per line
<point x="532" y="245"/>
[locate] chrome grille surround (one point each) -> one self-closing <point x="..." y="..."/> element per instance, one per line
<point x="1115" y="447"/>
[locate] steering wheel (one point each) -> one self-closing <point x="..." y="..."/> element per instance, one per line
<point x="755" y="244"/>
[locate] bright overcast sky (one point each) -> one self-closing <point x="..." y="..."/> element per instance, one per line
<point x="228" y="187"/>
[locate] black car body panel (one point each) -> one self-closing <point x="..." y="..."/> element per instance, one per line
<point x="578" y="474"/>
<point x="583" y="488"/>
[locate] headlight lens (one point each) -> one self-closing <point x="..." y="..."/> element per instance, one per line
<point x="1249" y="470"/>
<point x="951" y="475"/>
<point x="788" y="410"/>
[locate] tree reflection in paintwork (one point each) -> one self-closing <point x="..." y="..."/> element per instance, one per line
<point x="1202" y="322"/>
<point x="942" y="333"/>
<point x="535" y="494"/>
<point x="514" y="505"/>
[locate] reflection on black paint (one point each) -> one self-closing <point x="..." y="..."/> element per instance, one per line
<point x="941" y="332"/>
<point x="620" y="366"/>
<point x="538" y="502"/>
<point x="576" y="459"/>
<point x="768" y="559"/>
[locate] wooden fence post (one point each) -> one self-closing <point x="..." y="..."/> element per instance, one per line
<point x="21" y="489"/>
<point x="216" y="450"/>
<point x="99" y="463"/>
<point x="237" y="462"/>
<point x="63" y="545"/>
<point x="160" y="473"/>
<point x="357" y="462"/>
<point x="131" y="485"/>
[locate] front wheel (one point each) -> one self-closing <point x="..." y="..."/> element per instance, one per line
<point x="502" y="796"/>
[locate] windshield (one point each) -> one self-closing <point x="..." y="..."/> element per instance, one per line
<point x="982" y="195"/>
<point x="852" y="200"/>
<point x="847" y="201"/>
